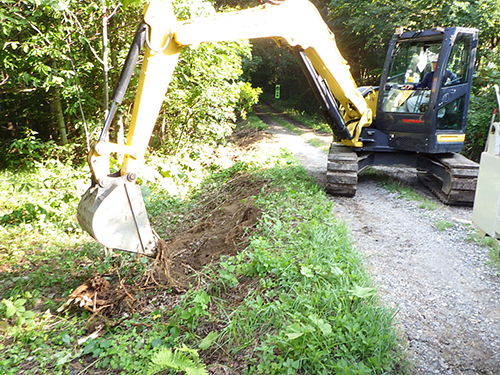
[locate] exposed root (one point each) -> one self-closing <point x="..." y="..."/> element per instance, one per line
<point x="161" y="270"/>
<point x="99" y="297"/>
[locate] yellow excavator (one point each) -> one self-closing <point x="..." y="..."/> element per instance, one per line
<point x="416" y="117"/>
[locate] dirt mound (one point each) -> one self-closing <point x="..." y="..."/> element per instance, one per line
<point x="219" y="226"/>
<point x="222" y="227"/>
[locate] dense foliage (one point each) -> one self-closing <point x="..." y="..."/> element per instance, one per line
<point x="61" y="58"/>
<point x="297" y="300"/>
<point x="363" y="30"/>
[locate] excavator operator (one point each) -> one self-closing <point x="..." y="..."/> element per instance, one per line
<point x="416" y="103"/>
<point x="426" y="83"/>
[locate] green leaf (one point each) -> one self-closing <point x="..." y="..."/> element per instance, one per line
<point x="131" y="2"/>
<point x="11" y="310"/>
<point x="208" y="340"/>
<point x="63" y="358"/>
<point x="157" y="342"/>
<point x="186" y="314"/>
<point x="298" y="330"/>
<point x="362" y="292"/>
<point x="105" y="344"/>
<point x="323" y="326"/>
<point x="66" y="339"/>
<point x="29" y="314"/>
<point x="19" y="302"/>
<point x="163" y="357"/>
<point x="59" y="5"/>
<point x="337" y="271"/>
<point x="294" y="335"/>
<point x="202" y="298"/>
<point x="196" y="371"/>
<point x="306" y="271"/>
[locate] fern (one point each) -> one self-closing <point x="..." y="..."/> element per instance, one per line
<point x="183" y="359"/>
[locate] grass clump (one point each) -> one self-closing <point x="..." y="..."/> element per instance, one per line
<point x="442" y="225"/>
<point x="285" y="124"/>
<point x="493" y="246"/>
<point x="314" y="121"/>
<point x="318" y="143"/>
<point x="396" y="186"/>
<point x="314" y="310"/>
<point x="254" y="122"/>
<point x="494" y="252"/>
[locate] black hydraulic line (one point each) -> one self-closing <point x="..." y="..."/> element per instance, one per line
<point x="322" y="92"/>
<point x="130" y="62"/>
<point x="125" y="75"/>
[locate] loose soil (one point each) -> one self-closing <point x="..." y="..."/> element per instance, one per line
<point x="222" y="225"/>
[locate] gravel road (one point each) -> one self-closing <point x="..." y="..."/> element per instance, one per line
<point x="445" y="297"/>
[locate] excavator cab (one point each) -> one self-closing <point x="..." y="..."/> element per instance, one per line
<point x="424" y="92"/>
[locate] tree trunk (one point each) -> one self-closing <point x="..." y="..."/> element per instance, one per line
<point x="61" y="127"/>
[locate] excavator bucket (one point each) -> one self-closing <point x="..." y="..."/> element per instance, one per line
<point x="113" y="212"/>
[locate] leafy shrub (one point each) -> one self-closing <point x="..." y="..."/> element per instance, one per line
<point x="249" y="96"/>
<point x="482" y="104"/>
<point x="27" y="213"/>
<point x="15" y="309"/>
<point x="28" y="151"/>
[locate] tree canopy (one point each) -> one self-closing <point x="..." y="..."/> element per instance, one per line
<point x="60" y="58"/>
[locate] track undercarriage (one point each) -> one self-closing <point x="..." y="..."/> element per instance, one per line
<point x="451" y="177"/>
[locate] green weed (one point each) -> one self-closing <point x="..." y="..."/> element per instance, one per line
<point x="15" y="309"/>
<point x="297" y="300"/>
<point x="427" y="204"/>
<point x="316" y="122"/>
<point x="318" y="143"/>
<point x="285" y="124"/>
<point x="494" y="252"/>
<point x="396" y="186"/>
<point x="442" y="225"/>
<point x="183" y="359"/>
<point x="254" y="122"/>
<point x="493" y="246"/>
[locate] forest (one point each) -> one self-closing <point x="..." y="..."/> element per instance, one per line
<point x="61" y="61"/>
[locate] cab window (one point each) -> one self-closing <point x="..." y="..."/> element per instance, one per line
<point x="458" y="63"/>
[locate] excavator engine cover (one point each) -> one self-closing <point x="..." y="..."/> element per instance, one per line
<point x="113" y="212"/>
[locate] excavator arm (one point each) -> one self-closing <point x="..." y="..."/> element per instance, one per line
<point x="112" y="210"/>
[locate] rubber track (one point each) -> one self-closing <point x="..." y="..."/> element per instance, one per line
<point x="342" y="171"/>
<point x="459" y="186"/>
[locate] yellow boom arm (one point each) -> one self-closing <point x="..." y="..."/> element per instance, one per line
<point x="294" y="23"/>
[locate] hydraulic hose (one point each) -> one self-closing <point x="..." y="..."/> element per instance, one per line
<point x="324" y="96"/>
<point x="125" y="75"/>
<point x="130" y="62"/>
